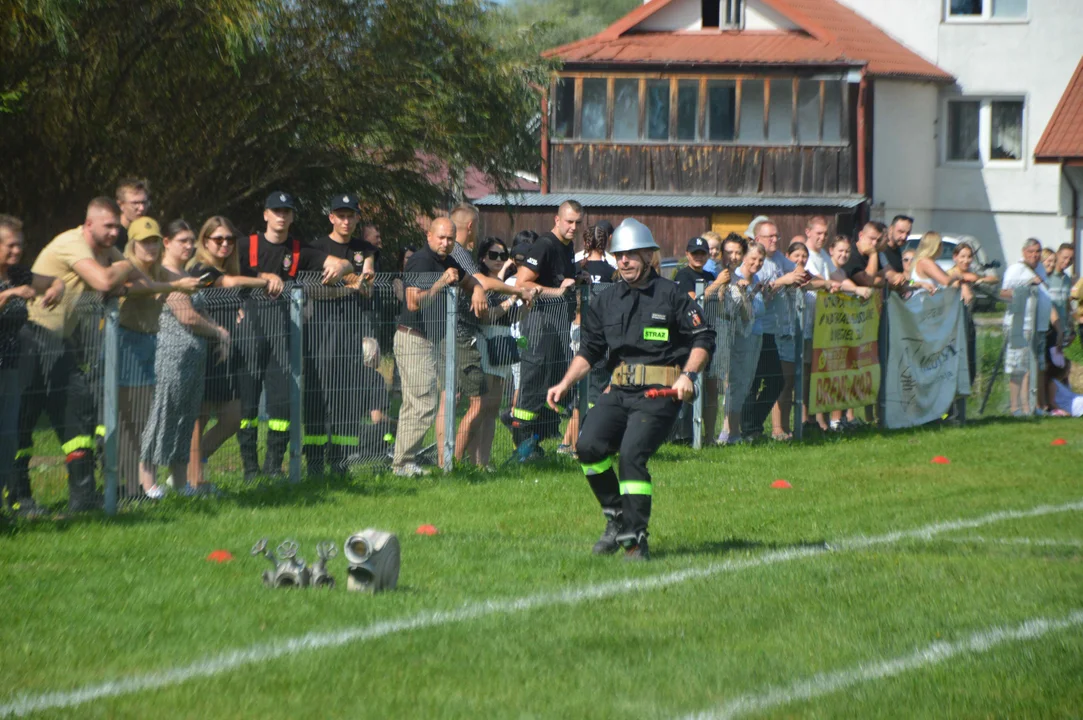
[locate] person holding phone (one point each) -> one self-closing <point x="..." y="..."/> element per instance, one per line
<point x="219" y="271"/>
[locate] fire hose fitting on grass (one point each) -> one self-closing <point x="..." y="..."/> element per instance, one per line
<point x="289" y="570"/>
<point x="374" y="559"/>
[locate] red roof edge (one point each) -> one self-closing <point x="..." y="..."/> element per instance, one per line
<point x="807" y="24"/>
<point x="1062" y="138"/>
<point x="632" y="19"/>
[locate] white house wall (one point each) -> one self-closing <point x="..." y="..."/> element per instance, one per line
<point x="904" y="150"/>
<point x="1034" y="60"/>
<point x="759" y="17"/>
<point x="681" y="15"/>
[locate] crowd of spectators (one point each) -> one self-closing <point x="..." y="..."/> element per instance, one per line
<point x="204" y="323"/>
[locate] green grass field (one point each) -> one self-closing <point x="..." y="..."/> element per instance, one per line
<point x="879" y="585"/>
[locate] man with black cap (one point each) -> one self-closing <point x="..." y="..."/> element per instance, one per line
<point x="697" y="252"/>
<point x="276" y="256"/>
<point x="334" y="344"/>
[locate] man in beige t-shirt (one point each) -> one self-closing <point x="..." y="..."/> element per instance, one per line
<point x="56" y="382"/>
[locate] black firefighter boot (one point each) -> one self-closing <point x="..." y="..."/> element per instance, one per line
<point x="606" y="488"/>
<point x="248" y="440"/>
<point x="82" y="493"/>
<point x="277" y="441"/>
<point x="19" y="496"/>
<point x="337" y="459"/>
<point x="633" y="534"/>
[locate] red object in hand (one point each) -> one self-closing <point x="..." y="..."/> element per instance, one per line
<point x="661" y="393"/>
<point x="427" y="530"/>
<point x="941" y="460"/>
<point x="220" y="556"/>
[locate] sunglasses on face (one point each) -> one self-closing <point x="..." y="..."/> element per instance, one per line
<point x="221" y="239"/>
<point x="497" y="255"/>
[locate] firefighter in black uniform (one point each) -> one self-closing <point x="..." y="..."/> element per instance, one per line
<point x="657" y="339"/>
<point x="334" y="344"/>
<point x="276" y="256"/>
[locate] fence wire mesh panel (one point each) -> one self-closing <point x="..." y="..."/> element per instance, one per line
<point x="1012" y="357"/>
<point x="58" y="392"/>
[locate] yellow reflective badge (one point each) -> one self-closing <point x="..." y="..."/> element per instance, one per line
<point x="656" y="334"/>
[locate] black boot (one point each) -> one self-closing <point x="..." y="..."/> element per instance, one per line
<point x="313" y="459"/>
<point x="277" y="441"/>
<point x="248" y="439"/>
<point x="607" y="544"/>
<point x="336" y="459"/>
<point x="82" y="493"/>
<point x="635" y="546"/>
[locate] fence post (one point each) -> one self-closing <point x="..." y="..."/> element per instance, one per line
<point x="584" y="384"/>
<point x="883" y="337"/>
<point x="110" y="398"/>
<point x="697" y="400"/>
<point x="799" y="365"/>
<point x="447" y="453"/>
<point x="297" y="364"/>
<point x="1035" y="343"/>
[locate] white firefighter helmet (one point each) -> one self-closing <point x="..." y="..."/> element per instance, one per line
<point x="632" y="235"/>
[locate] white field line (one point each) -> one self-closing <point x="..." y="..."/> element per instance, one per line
<point x="1034" y="542"/>
<point x="214" y="665"/>
<point x="938" y="652"/>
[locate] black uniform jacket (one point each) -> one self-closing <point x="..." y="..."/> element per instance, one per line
<point x="656" y="324"/>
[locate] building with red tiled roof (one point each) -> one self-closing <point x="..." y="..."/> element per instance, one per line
<point x="698" y="114"/>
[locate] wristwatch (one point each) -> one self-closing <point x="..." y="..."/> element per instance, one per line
<point x="693" y="376"/>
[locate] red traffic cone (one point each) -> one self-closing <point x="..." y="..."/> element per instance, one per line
<point x="220" y="556"/>
<point x="781" y="484"/>
<point x="941" y="460"/>
<point x="427" y="530"/>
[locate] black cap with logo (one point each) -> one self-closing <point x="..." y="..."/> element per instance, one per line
<point x="279" y="200"/>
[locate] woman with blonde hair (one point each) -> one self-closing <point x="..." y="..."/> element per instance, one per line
<point x="924" y="272"/>
<point x="219" y="269"/>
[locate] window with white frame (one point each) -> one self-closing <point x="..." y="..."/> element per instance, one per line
<point x="984" y="130"/>
<point x="721" y="13"/>
<point x="986" y="9"/>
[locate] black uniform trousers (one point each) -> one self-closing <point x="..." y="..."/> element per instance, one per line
<point x="264" y="345"/>
<point x="334" y="357"/>
<point x="543" y="363"/>
<point x="624" y="420"/>
<point x="54" y="380"/>
<point x="766" y="387"/>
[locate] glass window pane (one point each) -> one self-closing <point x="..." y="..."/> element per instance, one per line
<point x="1006" y="130"/>
<point x="1009" y="8"/>
<point x="626" y="109"/>
<point x="963" y="130"/>
<point x="965" y="7"/>
<point x="564" y="108"/>
<point x="658" y="109"/>
<point x="833" y="90"/>
<point x="593" y="127"/>
<point x="751" y="130"/>
<point x="808" y="112"/>
<point x="721" y="109"/>
<point x="687" y="109"/>
<point x="780" y="129"/>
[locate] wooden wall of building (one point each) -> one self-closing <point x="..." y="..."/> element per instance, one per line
<point x="702" y="169"/>
<point x="672" y="228"/>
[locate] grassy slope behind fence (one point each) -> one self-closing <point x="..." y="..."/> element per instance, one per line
<point x="95" y="600"/>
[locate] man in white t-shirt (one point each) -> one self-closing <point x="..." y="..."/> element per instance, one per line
<point x="1017" y="279"/>
<point x="819" y="262"/>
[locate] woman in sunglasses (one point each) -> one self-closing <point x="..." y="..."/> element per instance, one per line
<point x="499" y="352"/>
<point x="216" y="265"/>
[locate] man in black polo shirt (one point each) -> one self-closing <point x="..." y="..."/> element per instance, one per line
<point x="420" y="330"/>
<point x="276" y="256"/>
<point x="891" y="250"/>
<point x="549" y="268"/>
<point x="334" y="343"/>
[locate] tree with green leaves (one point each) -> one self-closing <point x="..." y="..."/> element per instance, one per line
<point x="219" y="102"/>
<point x="557" y="22"/>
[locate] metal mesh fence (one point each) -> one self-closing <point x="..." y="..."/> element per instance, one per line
<point x="344" y="380"/>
